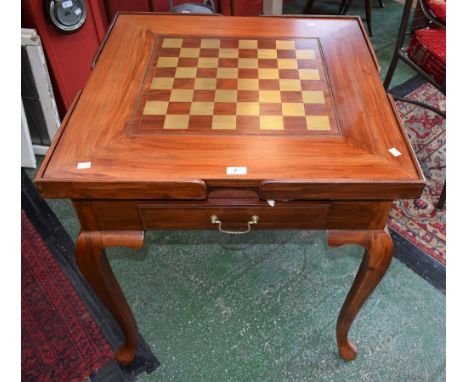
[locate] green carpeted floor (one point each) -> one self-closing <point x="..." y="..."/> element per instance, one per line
<point x="263" y="307"/>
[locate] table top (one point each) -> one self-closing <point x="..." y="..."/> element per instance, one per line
<point x="179" y="103"/>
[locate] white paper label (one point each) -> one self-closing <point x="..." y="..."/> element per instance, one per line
<point x="236" y="170"/>
<point x="83" y="165"/>
<point x="77" y="11"/>
<point x="67" y="4"/>
<point x="394" y="152"/>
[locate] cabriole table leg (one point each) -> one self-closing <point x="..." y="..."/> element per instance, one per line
<point x="92" y="261"/>
<point x="377" y="258"/>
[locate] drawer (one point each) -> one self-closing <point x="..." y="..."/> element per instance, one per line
<point x="284" y="215"/>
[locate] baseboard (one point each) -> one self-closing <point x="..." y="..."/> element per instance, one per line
<point x="418" y="261"/>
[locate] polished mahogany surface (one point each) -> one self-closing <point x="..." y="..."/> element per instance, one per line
<point x="364" y="155"/>
<point x="232" y="123"/>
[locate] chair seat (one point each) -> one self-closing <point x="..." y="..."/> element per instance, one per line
<point x="427" y="50"/>
<point x="438" y="8"/>
<point x="191" y="8"/>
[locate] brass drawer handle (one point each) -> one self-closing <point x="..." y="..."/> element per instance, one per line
<point x="253" y="220"/>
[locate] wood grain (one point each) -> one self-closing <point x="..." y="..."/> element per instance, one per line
<point x="344" y="180"/>
<point x="377" y="258"/>
<point x="236" y="205"/>
<point x="92" y="261"/>
<point x="97" y="130"/>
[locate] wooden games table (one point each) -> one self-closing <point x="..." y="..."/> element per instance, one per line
<point x="236" y="124"/>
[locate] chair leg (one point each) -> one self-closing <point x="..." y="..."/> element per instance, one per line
<point x="347" y="4"/>
<point x="399" y="43"/>
<point x="441" y="202"/>
<point x="342" y="7"/>
<point x="308" y="7"/>
<point x="108" y="11"/>
<point x="382" y="5"/>
<point x="391" y="71"/>
<point x="369" y="16"/>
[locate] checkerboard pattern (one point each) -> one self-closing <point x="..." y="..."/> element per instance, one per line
<point x="242" y="84"/>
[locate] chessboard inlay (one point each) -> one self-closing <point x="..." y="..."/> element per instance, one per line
<point x="235" y="85"/>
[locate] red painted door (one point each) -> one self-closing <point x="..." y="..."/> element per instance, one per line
<point x="69" y="55"/>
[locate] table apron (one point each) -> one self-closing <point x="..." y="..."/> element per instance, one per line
<point x="99" y="215"/>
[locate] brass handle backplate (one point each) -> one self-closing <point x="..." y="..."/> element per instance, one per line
<point x="215" y="220"/>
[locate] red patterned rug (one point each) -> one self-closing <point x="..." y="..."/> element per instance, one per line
<point x="60" y="341"/>
<point x="419" y="221"/>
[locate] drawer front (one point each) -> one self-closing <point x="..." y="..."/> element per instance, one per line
<point x="281" y="216"/>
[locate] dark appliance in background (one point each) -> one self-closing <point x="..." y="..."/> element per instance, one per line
<point x="71" y="31"/>
<point x="242" y="7"/>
